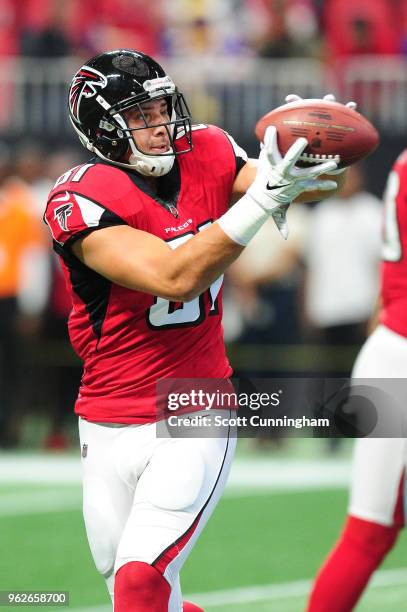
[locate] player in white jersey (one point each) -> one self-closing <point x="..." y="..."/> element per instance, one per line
<point x="376" y="508"/>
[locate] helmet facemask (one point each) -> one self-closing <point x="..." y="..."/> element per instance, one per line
<point x="116" y="141"/>
<point x="114" y="82"/>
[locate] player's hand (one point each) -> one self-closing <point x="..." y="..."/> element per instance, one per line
<point x="278" y="181"/>
<point x="328" y="98"/>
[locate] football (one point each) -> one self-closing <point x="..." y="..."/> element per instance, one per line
<point x="333" y="131"/>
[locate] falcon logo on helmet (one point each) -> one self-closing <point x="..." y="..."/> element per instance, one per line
<point x="84" y="84"/>
<point x="113" y="83"/>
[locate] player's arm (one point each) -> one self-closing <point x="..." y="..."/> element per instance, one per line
<point x="143" y="262"/>
<point x="140" y="261"/>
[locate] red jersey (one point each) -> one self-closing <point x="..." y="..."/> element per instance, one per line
<point x="130" y="339"/>
<point x="394" y="266"/>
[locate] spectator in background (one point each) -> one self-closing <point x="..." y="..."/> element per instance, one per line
<point x="30" y="167"/>
<point x="342" y="255"/>
<point x="339" y="242"/>
<point x="362" y="27"/>
<point x="208" y="27"/>
<point x="46" y="28"/>
<point x="23" y="286"/>
<point x="261" y="305"/>
<point x="121" y="24"/>
<point x="66" y="371"/>
<point x="284" y="28"/>
<point x="403" y="21"/>
<point x="203" y="34"/>
<point x="38" y="173"/>
<point x="47" y="33"/>
<point x="9" y="46"/>
<point x="64" y="378"/>
<point x="355" y="34"/>
<point x="9" y="26"/>
<point x="263" y="285"/>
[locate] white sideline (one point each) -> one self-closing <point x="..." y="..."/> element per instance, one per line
<point x="40" y="502"/>
<point x="270" y="592"/>
<point x="247" y="473"/>
<point x="254" y="476"/>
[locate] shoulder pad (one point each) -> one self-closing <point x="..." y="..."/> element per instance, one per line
<point x="94" y="180"/>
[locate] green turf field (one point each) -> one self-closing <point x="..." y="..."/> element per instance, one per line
<point x="259" y="551"/>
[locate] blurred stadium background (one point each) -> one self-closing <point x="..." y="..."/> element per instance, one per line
<point x="235" y="60"/>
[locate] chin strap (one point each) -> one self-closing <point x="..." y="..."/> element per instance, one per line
<point x="147" y="165"/>
<point x="151" y="165"/>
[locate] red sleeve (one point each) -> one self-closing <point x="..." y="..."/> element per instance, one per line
<point x="87" y="198"/>
<point x="71" y="216"/>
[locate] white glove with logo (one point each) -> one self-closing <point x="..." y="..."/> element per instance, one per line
<point x="278" y="181"/>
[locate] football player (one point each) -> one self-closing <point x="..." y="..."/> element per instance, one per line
<point x="144" y="234"/>
<point x="376" y="510"/>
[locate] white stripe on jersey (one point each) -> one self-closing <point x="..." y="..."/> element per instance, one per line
<point x="239" y="152"/>
<point x="79" y="174"/>
<point x="91" y="212"/>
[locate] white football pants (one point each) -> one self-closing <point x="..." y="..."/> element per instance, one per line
<point x="146" y="498"/>
<point x="378" y="463"/>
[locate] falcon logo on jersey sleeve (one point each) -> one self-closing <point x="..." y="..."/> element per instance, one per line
<point x="61" y="215"/>
<point x="71" y="214"/>
<point x="84" y="84"/>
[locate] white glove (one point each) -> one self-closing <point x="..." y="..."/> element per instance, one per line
<point x="278" y="181"/>
<point x="327" y="98"/>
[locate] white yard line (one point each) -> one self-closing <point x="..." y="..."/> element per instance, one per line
<point x="39" y="469"/>
<point x="270" y="592"/>
<point x="255" y="473"/>
<point x="39" y="502"/>
<point x="248" y="477"/>
<point x="287" y="475"/>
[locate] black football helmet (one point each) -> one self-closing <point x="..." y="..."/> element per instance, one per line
<point x="110" y="84"/>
